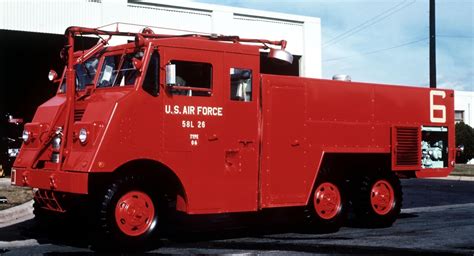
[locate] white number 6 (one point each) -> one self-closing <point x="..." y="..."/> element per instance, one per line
<point x="434" y="107"/>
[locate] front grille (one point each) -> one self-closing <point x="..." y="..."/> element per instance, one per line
<point x="78" y="113"/>
<point x="407" y="146"/>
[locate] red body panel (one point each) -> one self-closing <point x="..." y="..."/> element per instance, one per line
<point x="306" y="118"/>
<point x="248" y="155"/>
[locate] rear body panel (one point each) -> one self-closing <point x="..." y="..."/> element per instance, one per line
<point x="307" y="118"/>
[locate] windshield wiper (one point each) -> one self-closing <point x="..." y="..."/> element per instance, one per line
<point x="88" y="72"/>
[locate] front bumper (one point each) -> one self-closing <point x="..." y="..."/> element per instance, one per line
<point x="61" y="181"/>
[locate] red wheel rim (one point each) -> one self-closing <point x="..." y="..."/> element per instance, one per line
<point x="327" y="200"/>
<point x="382" y="197"/>
<point x="134" y="213"/>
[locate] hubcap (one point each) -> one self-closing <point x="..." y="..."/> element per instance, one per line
<point x="382" y="197"/>
<point x="134" y="213"/>
<point x="327" y="200"/>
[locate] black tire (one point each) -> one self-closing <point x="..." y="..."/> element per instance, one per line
<point x="112" y="235"/>
<point x="330" y="191"/>
<point x="377" y="200"/>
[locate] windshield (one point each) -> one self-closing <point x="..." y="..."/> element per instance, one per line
<point x="85" y="74"/>
<point x="118" y="70"/>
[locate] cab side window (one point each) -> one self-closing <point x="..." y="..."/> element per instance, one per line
<point x="241" y="84"/>
<point x="151" y="84"/>
<point x="192" y="78"/>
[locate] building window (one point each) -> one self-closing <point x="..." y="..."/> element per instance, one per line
<point x="459" y="116"/>
<point x="240" y="84"/>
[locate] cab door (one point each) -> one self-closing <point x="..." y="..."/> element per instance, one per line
<point x="241" y="142"/>
<point x="210" y="140"/>
<point x="192" y="116"/>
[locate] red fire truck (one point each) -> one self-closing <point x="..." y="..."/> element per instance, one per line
<point x="189" y="123"/>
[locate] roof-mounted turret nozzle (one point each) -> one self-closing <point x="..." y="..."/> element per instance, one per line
<point x="281" y="55"/>
<point x="342" y="77"/>
<point x="140" y="38"/>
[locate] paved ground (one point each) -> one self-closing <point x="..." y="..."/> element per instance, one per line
<point x="437" y="219"/>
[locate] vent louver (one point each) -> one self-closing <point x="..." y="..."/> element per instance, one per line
<point x="406" y="148"/>
<point x="78" y="113"/>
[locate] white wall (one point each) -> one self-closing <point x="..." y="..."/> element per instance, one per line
<point x="465" y="101"/>
<point x="302" y="33"/>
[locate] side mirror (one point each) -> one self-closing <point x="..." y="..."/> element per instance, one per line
<point x="52" y="75"/>
<point x="139" y="41"/>
<point x="170" y="74"/>
<point x="137" y="63"/>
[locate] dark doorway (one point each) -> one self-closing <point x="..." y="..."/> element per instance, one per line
<point x="268" y="66"/>
<point x="25" y="60"/>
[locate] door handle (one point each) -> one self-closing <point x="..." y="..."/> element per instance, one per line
<point x="212" y="138"/>
<point x="245" y="142"/>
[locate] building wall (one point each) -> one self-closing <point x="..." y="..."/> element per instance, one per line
<point x="53" y="17"/>
<point x="464" y="101"/>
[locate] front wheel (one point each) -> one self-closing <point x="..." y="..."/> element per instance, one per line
<point x="128" y="214"/>
<point x="378" y="200"/>
<point x="135" y="213"/>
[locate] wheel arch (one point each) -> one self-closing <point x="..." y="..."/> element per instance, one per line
<point x="156" y="173"/>
<point x="347" y="166"/>
<point x="353" y="163"/>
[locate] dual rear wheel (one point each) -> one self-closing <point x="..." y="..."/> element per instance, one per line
<point x="376" y="201"/>
<point x="327" y="209"/>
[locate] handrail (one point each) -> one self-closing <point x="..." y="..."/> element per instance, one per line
<point x="148" y="33"/>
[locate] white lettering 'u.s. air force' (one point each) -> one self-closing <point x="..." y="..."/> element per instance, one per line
<point x="193" y="110"/>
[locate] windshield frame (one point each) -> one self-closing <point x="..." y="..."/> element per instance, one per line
<point x="62" y="82"/>
<point x="109" y="51"/>
<point x="122" y="52"/>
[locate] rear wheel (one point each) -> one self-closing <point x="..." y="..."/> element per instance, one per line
<point x="378" y="200"/>
<point x="327" y="209"/>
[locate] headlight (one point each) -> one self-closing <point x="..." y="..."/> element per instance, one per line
<point x="26" y="135"/>
<point x="83" y="135"/>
